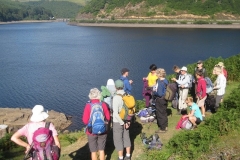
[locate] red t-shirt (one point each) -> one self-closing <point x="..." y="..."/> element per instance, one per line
<point x="201" y="87"/>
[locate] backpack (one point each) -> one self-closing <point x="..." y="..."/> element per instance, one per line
<point x="209" y="85"/>
<point x="175" y="103"/>
<point x="186" y="124"/>
<point x="171" y="91"/>
<point x="210" y="101"/>
<point x="143" y="113"/>
<point x="43" y="144"/>
<point x="191" y="80"/>
<point x="96" y="124"/>
<point x="128" y="108"/>
<point x="153" y="142"/>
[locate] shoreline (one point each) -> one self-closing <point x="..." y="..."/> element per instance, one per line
<point x="135" y="25"/>
<point x="209" y="26"/>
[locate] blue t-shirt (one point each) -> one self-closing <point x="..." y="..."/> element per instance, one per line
<point x="197" y="112"/>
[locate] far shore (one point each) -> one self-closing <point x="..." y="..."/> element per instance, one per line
<point x="214" y="26"/>
<point x="136" y="25"/>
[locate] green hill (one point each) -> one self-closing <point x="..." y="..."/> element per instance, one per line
<point x="160" y="8"/>
<point x="60" y="9"/>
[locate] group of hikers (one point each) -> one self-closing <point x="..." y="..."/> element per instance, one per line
<point x="105" y="109"/>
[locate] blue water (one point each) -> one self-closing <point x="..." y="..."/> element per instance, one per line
<point x="55" y="64"/>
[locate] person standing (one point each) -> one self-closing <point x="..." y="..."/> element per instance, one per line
<point x="121" y="136"/>
<point x="37" y="121"/>
<point x="96" y="142"/>
<point x="148" y="83"/>
<point x="183" y="84"/>
<point x="224" y="71"/>
<point x="200" y="68"/>
<point x="160" y="101"/>
<point x="127" y="83"/>
<point x="201" y="92"/>
<point x="220" y="85"/>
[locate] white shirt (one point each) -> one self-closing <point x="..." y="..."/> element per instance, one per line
<point x="183" y="80"/>
<point x="221" y="84"/>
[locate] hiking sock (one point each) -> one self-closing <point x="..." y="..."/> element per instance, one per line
<point x="120" y="158"/>
<point x="128" y="155"/>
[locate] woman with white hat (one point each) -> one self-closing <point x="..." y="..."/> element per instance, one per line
<point x="37" y="121"/>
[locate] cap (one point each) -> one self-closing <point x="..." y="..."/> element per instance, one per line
<point x="184" y="68"/>
<point x="119" y="83"/>
<point x="124" y="70"/>
<point x="200" y="61"/>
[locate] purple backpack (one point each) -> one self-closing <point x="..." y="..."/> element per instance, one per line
<point x="43" y="144"/>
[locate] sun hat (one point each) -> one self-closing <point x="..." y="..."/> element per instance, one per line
<point x="38" y="114"/>
<point x="94" y="94"/>
<point x="119" y="83"/>
<point x="221" y="64"/>
<point x="184" y="68"/>
<point x="124" y="70"/>
<point x="110" y="82"/>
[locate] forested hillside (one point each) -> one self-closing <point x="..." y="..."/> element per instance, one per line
<point x="60" y="9"/>
<point x="163" y="7"/>
<point x="16" y="11"/>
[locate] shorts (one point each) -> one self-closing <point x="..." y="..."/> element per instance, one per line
<point x="198" y="121"/>
<point x="201" y="102"/>
<point x="97" y="142"/>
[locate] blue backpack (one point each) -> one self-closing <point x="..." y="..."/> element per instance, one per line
<point x="209" y="85"/>
<point x="96" y="124"/>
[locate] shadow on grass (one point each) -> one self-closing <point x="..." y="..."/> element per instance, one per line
<point x="83" y="153"/>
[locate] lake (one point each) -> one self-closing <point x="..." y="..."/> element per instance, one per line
<point x="55" y="64"/>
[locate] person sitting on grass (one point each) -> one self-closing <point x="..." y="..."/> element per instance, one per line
<point x="195" y="115"/>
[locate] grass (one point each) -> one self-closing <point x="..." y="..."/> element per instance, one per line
<point x="74" y="144"/>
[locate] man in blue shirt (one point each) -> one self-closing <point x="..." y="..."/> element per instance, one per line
<point x="127" y="83"/>
<point x="195" y="115"/>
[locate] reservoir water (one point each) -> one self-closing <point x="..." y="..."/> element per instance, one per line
<point x="55" y="64"/>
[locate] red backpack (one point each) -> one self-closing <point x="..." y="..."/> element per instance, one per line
<point x="43" y="144"/>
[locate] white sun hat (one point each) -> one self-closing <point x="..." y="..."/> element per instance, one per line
<point x="38" y="114"/>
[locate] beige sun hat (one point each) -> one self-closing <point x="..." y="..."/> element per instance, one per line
<point x="221" y="64"/>
<point x="94" y="94"/>
<point x="38" y="114"/>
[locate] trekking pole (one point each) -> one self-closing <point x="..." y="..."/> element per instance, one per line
<point x="29" y="154"/>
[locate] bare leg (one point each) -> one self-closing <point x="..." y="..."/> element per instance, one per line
<point x="94" y="155"/>
<point x="102" y="154"/>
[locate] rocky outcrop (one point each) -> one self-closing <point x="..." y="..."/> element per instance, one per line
<point x="15" y="118"/>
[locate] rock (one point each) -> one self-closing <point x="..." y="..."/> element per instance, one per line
<point x="3" y="130"/>
<point x="65" y="131"/>
<point x="15" y="118"/>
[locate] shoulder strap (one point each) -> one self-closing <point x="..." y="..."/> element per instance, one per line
<point x="47" y="124"/>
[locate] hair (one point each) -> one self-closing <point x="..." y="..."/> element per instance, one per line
<point x="199" y="73"/>
<point x="175" y="67"/>
<point x="153" y="67"/>
<point x="190" y="99"/>
<point x="94" y="94"/>
<point x="161" y="72"/>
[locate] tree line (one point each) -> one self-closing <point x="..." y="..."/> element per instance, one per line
<point x="16" y="11"/>
<point x="41" y="10"/>
<point x="198" y="7"/>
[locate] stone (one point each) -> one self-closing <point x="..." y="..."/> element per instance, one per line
<point x="16" y="118"/>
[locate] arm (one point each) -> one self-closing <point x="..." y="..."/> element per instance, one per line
<point x="127" y="86"/>
<point x="106" y="111"/>
<point x="190" y="114"/>
<point x="56" y="140"/>
<point x="16" y="138"/>
<point x="86" y="114"/>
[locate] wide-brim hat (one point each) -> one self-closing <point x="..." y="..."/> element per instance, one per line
<point x="221" y="64"/>
<point x="38" y="114"/>
<point x="94" y="94"/>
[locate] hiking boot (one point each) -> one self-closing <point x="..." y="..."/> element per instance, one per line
<point x="127" y="158"/>
<point x="161" y="131"/>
